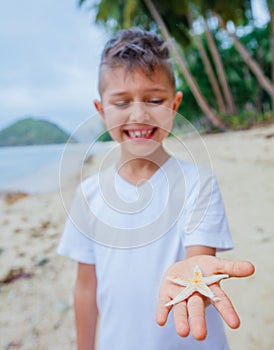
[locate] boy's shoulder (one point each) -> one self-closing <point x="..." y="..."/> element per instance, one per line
<point x="91" y="180"/>
<point x="92" y="183"/>
<point x="193" y="169"/>
<point x="191" y="176"/>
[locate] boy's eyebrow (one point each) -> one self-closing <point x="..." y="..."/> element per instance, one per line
<point x="120" y="93"/>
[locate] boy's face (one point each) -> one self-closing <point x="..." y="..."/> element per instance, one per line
<point x="137" y="110"/>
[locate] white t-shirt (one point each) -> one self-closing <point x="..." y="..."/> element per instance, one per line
<point x="133" y="234"/>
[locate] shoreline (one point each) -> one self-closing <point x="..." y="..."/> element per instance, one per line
<point x="40" y="169"/>
<point x="66" y="169"/>
<point x="36" y="300"/>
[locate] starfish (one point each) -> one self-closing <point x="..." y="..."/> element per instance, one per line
<point x="196" y="284"/>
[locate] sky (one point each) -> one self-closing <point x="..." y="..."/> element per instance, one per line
<point x="50" y="51"/>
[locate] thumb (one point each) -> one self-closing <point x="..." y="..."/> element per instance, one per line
<point x="239" y="268"/>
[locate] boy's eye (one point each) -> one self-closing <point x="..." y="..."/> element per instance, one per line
<point x="121" y="104"/>
<point x="156" y="101"/>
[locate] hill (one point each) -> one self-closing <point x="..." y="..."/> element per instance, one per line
<point x="30" y="131"/>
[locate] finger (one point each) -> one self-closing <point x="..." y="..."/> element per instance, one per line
<point x="225" y="308"/>
<point x="235" y="268"/>
<point x="196" y="312"/>
<point x="162" y="310"/>
<point x="180" y="319"/>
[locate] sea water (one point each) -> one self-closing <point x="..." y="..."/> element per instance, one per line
<point x="36" y="169"/>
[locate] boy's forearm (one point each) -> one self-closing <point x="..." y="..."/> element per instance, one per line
<point x="199" y="250"/>
<point x="86" y="315"/>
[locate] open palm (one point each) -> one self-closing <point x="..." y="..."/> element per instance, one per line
<point x="189" y="314"/>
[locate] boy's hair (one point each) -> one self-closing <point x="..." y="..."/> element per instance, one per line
<point x="135" y="48"/>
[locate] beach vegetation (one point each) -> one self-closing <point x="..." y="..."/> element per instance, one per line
<point x="223" y="59"/>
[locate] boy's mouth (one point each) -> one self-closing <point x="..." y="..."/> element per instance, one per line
<point x="140" y="133"/>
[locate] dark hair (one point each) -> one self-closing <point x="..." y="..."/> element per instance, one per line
<point x="135" y="48"/>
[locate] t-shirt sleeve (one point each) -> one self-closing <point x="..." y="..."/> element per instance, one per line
<point x="74" y="243"/>
<point x="204" y="219"/>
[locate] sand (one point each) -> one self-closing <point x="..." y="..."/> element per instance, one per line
<point x="36" y="290"/>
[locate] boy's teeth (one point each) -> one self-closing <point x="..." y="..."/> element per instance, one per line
<point x="146" y="132"/>
<point x="140" y="133"/>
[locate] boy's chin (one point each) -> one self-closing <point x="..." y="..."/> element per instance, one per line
<point x="141" y="149"/>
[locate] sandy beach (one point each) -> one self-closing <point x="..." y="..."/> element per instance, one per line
<point x="36" y="284"/>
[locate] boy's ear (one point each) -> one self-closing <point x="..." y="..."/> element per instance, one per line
<point x="177" y="100"/>
<point x="99" y="107"/>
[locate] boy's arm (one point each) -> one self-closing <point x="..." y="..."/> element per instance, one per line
<point x="85" y="306"/>
<point x="199" y="250"/>
<point x="190" y="313"/>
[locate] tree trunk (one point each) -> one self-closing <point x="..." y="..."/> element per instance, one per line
<point x="271" y="10"/>
<point x="220" y="69"/>
<point x="190" y="80"/>
<point x="252" y="64"/>
<point x="208" y="66"/>
<point x="210" y="74"/>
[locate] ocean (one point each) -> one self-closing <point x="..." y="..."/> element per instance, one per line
<point x="35" y="169"/>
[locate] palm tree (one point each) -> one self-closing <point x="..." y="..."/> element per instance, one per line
<point x="220" y="69"/>
<point x="210" y="73"/>
<point x="109" y="10"/>
<point x="197" y="39"/>
<point x="236" y="11"/>
<point x="119" y="14"/>
<point x="270" y="5"/>
<point x="180" y="23"/>
<point x="181" y="63"/>
<point x="263" y="80"/>
<point x="200" y="11"/>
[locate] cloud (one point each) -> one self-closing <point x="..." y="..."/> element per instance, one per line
<point x="50" y="54"/>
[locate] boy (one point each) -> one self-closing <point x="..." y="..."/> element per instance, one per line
<point x="131" y="222"/>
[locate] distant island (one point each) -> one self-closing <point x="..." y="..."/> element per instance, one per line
<point x="31" y="131"/>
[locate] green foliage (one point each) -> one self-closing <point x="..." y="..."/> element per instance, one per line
<point x="247" y="93"/>
<point x="120" y="14"/>
<point x="251" y="101"/>
<point x="238" y="11"/>
<point x="247" y="119"/>
<point x="104" y="137"/>
<point x="31" y="131"/>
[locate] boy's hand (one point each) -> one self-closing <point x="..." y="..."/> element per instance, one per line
<point x="190" y="313"/>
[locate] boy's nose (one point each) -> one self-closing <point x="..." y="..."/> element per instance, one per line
<point x="138" y="113"/>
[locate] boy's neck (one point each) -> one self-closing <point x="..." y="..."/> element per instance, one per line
<point x="139" y="169"/>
